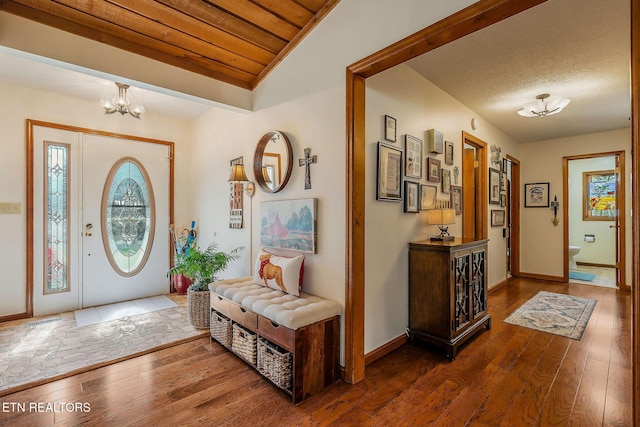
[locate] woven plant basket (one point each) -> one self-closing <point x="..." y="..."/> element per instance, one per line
<point x="199" y="306"/>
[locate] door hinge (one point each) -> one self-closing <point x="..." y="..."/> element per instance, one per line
<point x="475" y="164"/>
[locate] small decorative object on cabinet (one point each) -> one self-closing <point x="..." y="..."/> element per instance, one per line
<point x="447" y="292"/>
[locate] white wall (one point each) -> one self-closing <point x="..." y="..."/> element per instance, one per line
<point x="417" y="105"/>
<point x="21" y="103"/>
<point x="603" y="250"/>
<point x="542" y="248"/>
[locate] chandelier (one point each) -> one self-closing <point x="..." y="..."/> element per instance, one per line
<point x="544" y="106"/>
<point x="121" y="103"/>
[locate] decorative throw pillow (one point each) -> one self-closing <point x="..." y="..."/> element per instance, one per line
<point x="279" y="272"/>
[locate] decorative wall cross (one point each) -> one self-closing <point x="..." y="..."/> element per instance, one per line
<point x="306" y="162"/>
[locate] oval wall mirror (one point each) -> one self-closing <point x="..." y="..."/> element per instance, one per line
<point x="272" y="161"/>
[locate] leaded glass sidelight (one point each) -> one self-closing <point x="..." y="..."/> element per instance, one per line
<point x="128" y="217"/>
<point x="56" y="184"/>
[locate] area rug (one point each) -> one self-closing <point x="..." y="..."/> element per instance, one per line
<point x="581" y="275"/>
<point x="42" y="350"/>
<point x="106" y="313"/>
<point x="558" y="314"/>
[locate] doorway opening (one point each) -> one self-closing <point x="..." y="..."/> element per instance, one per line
<point x="474" y="188"/>
<point x="594" y="206"/>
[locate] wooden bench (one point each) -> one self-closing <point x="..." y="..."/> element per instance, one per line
<point x="294" y="341"/>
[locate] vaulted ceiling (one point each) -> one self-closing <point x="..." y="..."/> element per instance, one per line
<point x="235" y="41"/>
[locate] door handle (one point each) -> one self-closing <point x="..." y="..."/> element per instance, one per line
<point x="89" y="226"/>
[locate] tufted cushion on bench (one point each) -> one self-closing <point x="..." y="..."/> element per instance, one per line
<point x="287" y="310"/>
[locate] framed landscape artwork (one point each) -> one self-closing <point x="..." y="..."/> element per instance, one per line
<point x="289" y="224"/>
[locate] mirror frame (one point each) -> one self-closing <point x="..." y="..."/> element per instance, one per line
<point x="258" y="157"/>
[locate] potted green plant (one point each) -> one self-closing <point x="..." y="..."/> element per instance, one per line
<point x="201" y="267"/>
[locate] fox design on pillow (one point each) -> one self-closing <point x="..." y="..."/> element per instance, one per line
<point x="270" y="271"/>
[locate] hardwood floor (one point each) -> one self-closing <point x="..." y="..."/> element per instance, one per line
<point x="509" y="376"/>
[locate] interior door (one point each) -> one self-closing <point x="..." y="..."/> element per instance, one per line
<point x="125" y="217"/>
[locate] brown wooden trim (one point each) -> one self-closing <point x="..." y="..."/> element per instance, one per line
<point x="13" y="317"/>
<point x="498" y="286"/>
<point x="473" y="18"/>
<point x="514" y="235"/>
<point x="635" y="203"/>
<point x="30" y="124"/>
<point x="543" y="277"/>
<point x="29" y="220"/>
<point x="622" y="284"/>
<point x="385" y="349"/>
<point x="466" y="21"/>
<point x="594" y="264"/>
<point x="355" y="251"/>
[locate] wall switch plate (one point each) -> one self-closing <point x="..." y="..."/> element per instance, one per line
<point x="10" y="208"/>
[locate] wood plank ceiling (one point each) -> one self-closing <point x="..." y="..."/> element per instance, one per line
<point x="235" y="41"/>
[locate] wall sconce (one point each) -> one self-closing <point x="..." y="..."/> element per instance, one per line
<point x="239" y="175"/>
<point x="554" y="204"/>
<point x="441" y="217"/>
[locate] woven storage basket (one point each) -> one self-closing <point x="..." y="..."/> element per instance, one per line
<point x="199" y="307"/>
<point x="244" y="343"/>
<point x="275" y="363"/>
<point x="221" y="328"/>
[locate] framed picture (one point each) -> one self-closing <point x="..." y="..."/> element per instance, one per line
<point x="455" y="198"/>
<point x="599" y="195"/>
<point x="433" y="169"/>
<point x="503" y="200"/>
<point x="446" y="181"/>
<point x="494" y="186"/>
<point x="389" y="173"/>
<point x="389" y="128"/>
<point x="497" y="218"/>
<point x="503" y="167"/>
<point x="289" y="224"/>
<point x="448" y="152"/>
<point x="536" y="195"/>
<point x="412" y="157"/>
<point x="411" y="197"/>
<point x="428" y="195"/>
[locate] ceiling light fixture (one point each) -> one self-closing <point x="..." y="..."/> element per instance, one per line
<point x="121" y="103"/>
<point x="544" y="106"/>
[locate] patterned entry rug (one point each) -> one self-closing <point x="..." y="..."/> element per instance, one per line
<point x="558" y="314"/>
<point x="36" y="351"/>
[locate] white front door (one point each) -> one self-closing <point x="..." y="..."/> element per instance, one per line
<point x="125" y="196"/>
<point x="101" y="230"/>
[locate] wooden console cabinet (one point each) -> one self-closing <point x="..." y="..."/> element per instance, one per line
<point x="447" y="292"/>
<point x="314" y="348"/>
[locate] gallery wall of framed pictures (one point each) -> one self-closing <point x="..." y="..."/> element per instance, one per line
<point x="419" y="172"/>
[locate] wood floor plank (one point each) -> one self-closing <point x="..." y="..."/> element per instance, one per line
<point x="508" y="376"/>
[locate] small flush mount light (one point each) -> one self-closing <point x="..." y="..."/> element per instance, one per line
<point x="121" y="103"/>
<point x="545" y="105"/>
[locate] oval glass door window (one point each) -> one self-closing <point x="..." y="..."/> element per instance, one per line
<point x="128" y="216"/>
